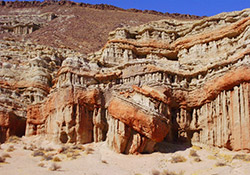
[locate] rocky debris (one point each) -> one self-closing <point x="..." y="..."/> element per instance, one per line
<point x="168" y="80"/>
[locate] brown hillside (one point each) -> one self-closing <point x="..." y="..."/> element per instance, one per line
<point x="79" y="26"/>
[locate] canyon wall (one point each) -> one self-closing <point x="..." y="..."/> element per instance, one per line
<point x="168" y="80"/>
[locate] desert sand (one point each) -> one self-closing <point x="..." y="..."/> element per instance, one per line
<point x="22" y="158"/>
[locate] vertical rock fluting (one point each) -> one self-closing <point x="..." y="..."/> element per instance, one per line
<point x="224" y="122"/>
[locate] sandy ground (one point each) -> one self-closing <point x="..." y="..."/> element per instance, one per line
<point x="98" y="159"/>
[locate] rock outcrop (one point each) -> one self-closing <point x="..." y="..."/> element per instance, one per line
<point x="169" y="80"/>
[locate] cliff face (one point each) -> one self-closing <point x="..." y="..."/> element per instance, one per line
<point x="169" y="80"/>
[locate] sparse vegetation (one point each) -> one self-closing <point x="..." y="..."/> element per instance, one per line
<point x="156" y="172"/>
<point x="10" y="148"/>
<point x="197" y="159"/>
<point x="104" y="161"/>
<point x="37" y="153"/>
<point x="41" y="164"/>
<point x="89" y="150"/>
<point x="196" y="147"/>
<point x="178" y="159"/>
<point x="220" y="164"/>
<point x="193" y="153"/>
<point x="13" y="139"/>
<point x="166" y="172"/>
<point x="6" y="155"/>
<point x="56" y="159"/>
<point x="48" y="157"/>
<point x="243" y="157"/>
<point x="54" y="167"/>
<point x="211" y="157"/>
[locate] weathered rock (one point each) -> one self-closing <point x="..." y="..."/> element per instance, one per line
<point x="169" y="80"/>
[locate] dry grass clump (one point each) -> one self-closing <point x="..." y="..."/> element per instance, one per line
<point x="243" y="157"/>
<point x="193" y="153"/>
<point x="178" y="159"/>
<point x="41" y="164"/>
<point x="10" y="148"/>
<point x="89" y="150"/>
<point x="104" y="161"/>
<point x="13" y="139"/>
<point x="220" y="164"/>
<point x="47" y="157"/>
<point x="54" y="167"/>
<point x="197" y="159"/>
<point x="166" y="172"/>
<point x="56" y="159"/>
<point x="31" y="147"/>
<point x="6" y="155"/>
<point x="37" y="153"/>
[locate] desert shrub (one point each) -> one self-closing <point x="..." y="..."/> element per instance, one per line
<point x="177" y="159"/>
<point x="78" y="147"/>
<point x="49" y="149"/>
<point x="37" y="153"/>
<point x="6" y="155"/>
<point x="243" y="157"/>
<point x="166" y="172"/>
<point x="54" y="167"/>
<point x="196" y="147"/>
<point x="104" y="161"/>
<point x="220" y="164"/>
<point x="89" y="150"/>
<point x="41" y="164"/>
<point x="212" y="157"/>
<point x="56" y="159"/>
<point x="10" y="148"/>
<point x="2" y="159"/>
<point x="48" y="157"/>
<point x="13" y="139"/>
<point x="197" y="159"/>
<point x="193" y="153"/>
<point x="156" y="172"/>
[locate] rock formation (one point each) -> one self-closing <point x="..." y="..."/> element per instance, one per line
<point x="168" y="80"/>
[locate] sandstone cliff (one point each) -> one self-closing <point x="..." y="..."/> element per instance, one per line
<point x="168" y="80"/>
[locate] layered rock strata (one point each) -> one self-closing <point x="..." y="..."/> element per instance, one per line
<point x="169" y="80"/>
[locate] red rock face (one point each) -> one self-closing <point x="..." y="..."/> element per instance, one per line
<point x="165" y="81"/>
<point x="10" y="125"/>
<point x="67" y="116"/>
<point x="148" y="125"/>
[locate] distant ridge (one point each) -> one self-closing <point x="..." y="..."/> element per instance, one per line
<point x="22" y="4"/>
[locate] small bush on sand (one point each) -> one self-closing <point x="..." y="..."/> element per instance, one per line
<point x="10" y="148"/>
<point x="156" y="172"/>
<point x="89" y="150"/>
<point x="2" y="159"/>
<point x="14" y="139"/>
<point x="47" y="157"/>
<point x="41" y="164"/>
<point x="197" y="159"/>
<point x="104" y="161"/>
<point x="193" y="153"/>
<point x="54" y="167"/>
<point x="37" y="153"/>
<point x="220" y="164"/>
<point x="178" y="159"/>
<point x="166" y="172"/>
<point x="56" y="159"/>
<point x="6" y="155"/>
<point x="243" y="157"/>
